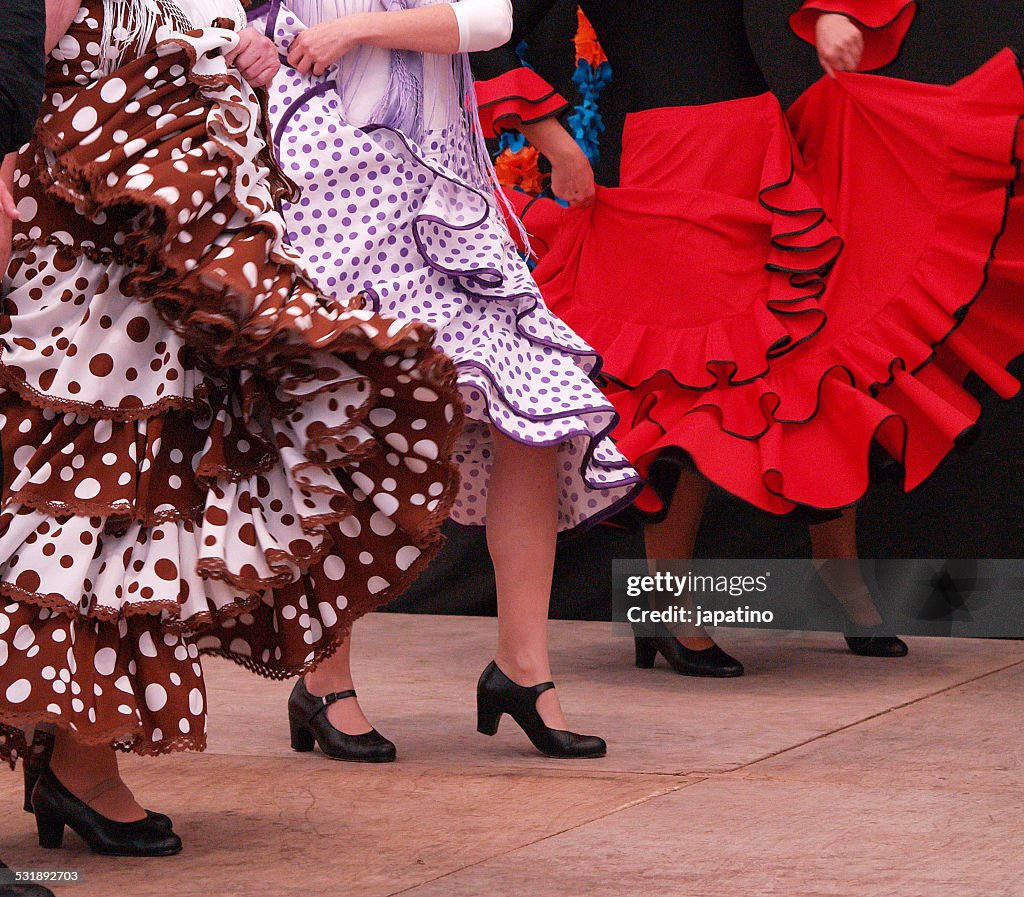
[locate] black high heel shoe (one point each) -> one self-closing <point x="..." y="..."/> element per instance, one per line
<point x="497" y="694"/>
<point x="711" y="662"/>
<point x="55" y="807"/>
<point x="310" y="727"/>
<point x="42" y="750"/>
<point x="871" y="641"/>
<point x="866" y="641"/>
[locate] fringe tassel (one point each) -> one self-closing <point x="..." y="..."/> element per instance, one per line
<point x="128" y="26"/>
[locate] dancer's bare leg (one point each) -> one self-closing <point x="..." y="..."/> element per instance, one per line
<point x="334" y="675"/>
<point x="90" y="772"/>
<point x="837" y="540"/>
<point x="522" y="527"/>
<point x="675" y="537"/>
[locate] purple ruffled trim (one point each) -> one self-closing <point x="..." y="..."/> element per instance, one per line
<point x="492" y="278"/>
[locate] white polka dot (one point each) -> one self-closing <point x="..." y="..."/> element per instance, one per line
<point x="382" y="417"/>
<point x="18" y="692"/>
<point x="113" y="90"/>
<point x="146" y="646"/>
<point x="24" y="637"/>
<point x="426" y="448"/>
<point x="381" y="523"/>
<point x="156" y="697"/>
<point x="334" y="567"/>
<point x="406" y="556"/>
<point x="195" y="702"/>
<point x="106" y="658"/>
<point x="84" y="120"/>
<point x="88" y="488"/>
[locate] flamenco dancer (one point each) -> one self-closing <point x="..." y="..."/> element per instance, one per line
<point x="787" y="309"/>
<point x="373" y="116"/>
<point x="193" y="435"/>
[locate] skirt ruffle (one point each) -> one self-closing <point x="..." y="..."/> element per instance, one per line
<point x="203" y="453"/>
<point x="386" y="216"/>
<point x="919" y="181"/>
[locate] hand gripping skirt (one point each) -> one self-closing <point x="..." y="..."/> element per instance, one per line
<point x="383" y="214"/>
<point x="774" y="297"/>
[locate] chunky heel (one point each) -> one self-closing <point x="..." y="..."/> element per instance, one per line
<point x="55" y="807"/>
<point x="302" y="739"/>
<point x="711" y="662"/>
<point x="51" y="830"/>
<point x="646" y="651"/>
<point x="496" y="694"/>
<point x="488" y="715"/>
<point x="307" y="716"/>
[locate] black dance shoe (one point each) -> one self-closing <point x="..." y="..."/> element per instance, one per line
<point x="497" y="694"/>
<point x="40" y="760"/>
<point x="712" y="663"/>
<point x="310" y="726"/>
<point x="871" y="641"/>
<point x="55" y="807"/>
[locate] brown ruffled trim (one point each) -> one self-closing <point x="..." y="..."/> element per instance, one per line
<point x="185" y="299"/>
<point x="127" y="740"/>
<point x="123" y="515"/>
<point x="97" y="411"/>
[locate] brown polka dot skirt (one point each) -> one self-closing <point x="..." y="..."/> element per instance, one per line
<point x="202" y="454"/>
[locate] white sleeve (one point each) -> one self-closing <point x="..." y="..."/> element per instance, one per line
<point x="483" y="24"/>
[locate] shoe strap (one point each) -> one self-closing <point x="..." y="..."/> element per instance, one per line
<point x="102" y="788"/>
<point x="327" y="700"/>
<point x="538" y="690"/>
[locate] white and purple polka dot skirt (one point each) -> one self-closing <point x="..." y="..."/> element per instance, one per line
<point x="381" y="215"/>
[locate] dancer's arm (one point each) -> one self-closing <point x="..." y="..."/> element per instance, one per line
<point x="446" y="28"/>
<point x="513" y="97"/>
<point x="854" y="35"/>
<point x="572" y="175"/>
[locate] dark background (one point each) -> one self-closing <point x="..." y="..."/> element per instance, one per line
<point x="972" y="506"/>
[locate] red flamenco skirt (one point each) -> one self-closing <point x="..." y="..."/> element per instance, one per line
<point x="773" y="298"/>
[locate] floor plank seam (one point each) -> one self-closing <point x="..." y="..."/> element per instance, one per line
<point x="824" y="735"/>
<point x="605" y="815"/>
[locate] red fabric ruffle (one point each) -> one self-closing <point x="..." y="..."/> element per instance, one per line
<point x="517" y="94"/>
<point x="703" y="264"/>
<point x="884" y="22"/>
<point x="919" y="179"/>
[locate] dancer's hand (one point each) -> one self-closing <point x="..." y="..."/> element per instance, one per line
<point x="8" y="215"/>
<point x="572" y="176"/>
<point x="319" y="47"/>
<point x="255" y="57"/>
<point x="6" y="235"/>
<point x="8" y="208"/>
<point x="840" y="44"/>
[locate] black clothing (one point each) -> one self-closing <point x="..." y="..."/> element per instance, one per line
<point x="22" y="63"/>
<point x="663" y="52"/>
